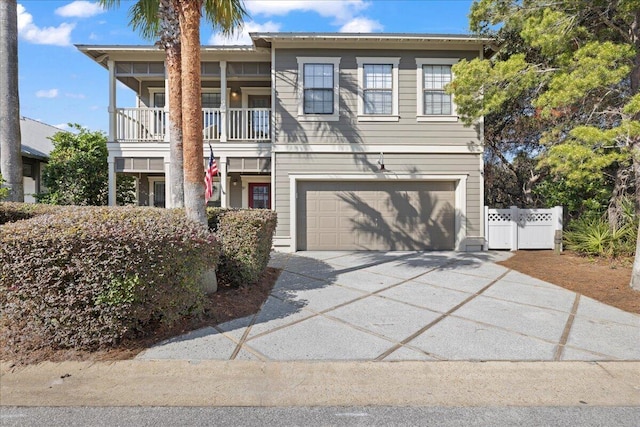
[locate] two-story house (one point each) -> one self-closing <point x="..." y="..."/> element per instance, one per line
<point x="351" y="138"/>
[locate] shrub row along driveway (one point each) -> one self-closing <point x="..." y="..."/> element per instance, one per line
<point x="413" y="306"/>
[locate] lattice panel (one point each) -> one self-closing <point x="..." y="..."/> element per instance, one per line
<point x="536" y="217"/>
<point x="499" y="217"/>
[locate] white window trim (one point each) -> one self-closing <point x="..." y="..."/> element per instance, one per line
<point x="420" y="116"/>
<point x="152" y="98"/>
<point x="336" y="89"/>
<point x="394" y="117"/>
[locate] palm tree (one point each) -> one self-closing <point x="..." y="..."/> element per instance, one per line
<point x="229" y="14"/>
<point x="159" y="19"/>
<point x="10" y="141"/>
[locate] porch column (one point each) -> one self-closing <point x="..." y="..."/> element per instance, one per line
<point x="112" y="100"/>
<point x="223" y="101"/>
<point x="111" y="163"/>
<point x="167" y="183"/>
<point x="224" y="193"/>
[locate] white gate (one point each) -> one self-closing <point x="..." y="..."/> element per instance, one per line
<point x="515" y="228"/>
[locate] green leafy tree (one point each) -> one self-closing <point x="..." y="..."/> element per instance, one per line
<point x="4" y="191"/>
<point x="77" y="171"/>
<point x="575" y="66"/>
<point x="125" y="190"/>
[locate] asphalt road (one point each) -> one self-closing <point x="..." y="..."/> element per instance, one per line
<point x="321" y="416"/>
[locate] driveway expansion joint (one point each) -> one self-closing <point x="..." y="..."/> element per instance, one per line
<point x="439" y="319"/>
<point x="567" y="329"/>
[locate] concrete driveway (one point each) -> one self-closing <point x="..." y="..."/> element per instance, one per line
<point x="373" y="306"/>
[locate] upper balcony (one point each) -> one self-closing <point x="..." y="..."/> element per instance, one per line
<point x="233" y="125"/>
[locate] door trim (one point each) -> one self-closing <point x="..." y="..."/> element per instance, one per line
<point x="245" y="180"/>
<point x="460" y="197"/>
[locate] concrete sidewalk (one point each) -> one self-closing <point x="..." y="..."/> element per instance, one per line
<point x="246" y="383"/>
<point x="421" y="306"/>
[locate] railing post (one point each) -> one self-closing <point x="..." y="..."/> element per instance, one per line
<point x="223" y="101"/>
<point x="514" y="228"/>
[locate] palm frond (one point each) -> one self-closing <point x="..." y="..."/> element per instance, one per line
<point x="226" y="16"/>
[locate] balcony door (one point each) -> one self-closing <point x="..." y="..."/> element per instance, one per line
<point x="259" y="120"/>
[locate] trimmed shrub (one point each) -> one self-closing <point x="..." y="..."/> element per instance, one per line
<point x="246" y="237"/>
<point x="13" y="211"/>
<point x="95" y="275"/>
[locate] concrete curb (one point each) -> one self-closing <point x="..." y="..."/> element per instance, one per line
<point x="249" y="383"/>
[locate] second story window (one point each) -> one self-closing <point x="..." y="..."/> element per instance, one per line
<point x="436" y="101"/>
<point x="318" y="80"/>
<point x="378" y="89"/>
<point x="434" y="104"/>
<point x="318" y="88"/>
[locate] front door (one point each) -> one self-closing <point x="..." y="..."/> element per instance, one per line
<point x="259" y="195"/>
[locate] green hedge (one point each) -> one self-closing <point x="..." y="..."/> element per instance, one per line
<point x="92" y="276"/>
<point x="246" y="236"/>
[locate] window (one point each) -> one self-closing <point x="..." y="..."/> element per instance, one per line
<point x="436" y="101"/>
<point x="318" y="89"/>
<point x="434" y="104"/>
<point x="378" y="89"/>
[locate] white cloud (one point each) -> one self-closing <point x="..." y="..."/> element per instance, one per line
<point x="93" y="36"/>
<point x="62" y="126"/>
<point x="242" y="37"/>
<point x="341" y="10"/>
<point x="57" y="36"/>
<point x="80" y="9"/>
<point x="361" y="25"/>
<point x="50" y="93"/>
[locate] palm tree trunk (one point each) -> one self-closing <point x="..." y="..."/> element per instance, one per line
<point x="192" y="111"/>
<point x="10" y="141"/>
<point x="174" y="71"/>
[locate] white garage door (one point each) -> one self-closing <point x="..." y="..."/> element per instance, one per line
<point x="375" y="215"/>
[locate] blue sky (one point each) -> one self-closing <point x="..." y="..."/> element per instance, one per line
<point x="59" y="85"/>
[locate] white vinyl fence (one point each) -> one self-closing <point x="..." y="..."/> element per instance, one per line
<point x="515" y="228"/>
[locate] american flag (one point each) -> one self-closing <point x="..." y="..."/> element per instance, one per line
<point x="210" y="172"/>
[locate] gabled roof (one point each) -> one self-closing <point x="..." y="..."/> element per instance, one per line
<point x="34" y="136"/>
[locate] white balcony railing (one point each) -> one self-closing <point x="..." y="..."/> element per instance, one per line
<point x="150" y="124"/>
<point x="140" y="124"/>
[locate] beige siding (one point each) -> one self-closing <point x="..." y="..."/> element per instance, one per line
<point x="348" y="129"/>
<point x="365" y="165"/>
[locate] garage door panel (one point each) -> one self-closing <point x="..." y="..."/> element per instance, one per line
<point x="373" y="215"/>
